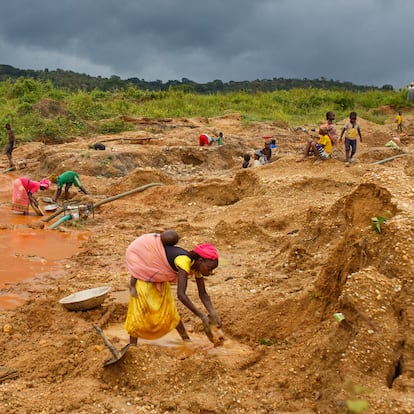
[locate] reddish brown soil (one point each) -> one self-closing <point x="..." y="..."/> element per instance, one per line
<point x="296" y="245"/>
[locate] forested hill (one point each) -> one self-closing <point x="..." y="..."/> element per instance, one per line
<point x="75" y="81"/>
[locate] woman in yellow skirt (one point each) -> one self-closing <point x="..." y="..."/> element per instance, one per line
<point x="154" y="262"/>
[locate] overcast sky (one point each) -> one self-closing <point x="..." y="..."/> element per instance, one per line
<point x="366" y="42"/>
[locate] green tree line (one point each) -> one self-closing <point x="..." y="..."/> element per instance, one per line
<point x="75" y="81"/>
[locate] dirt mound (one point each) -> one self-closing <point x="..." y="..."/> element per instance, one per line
<point x="49" y="108"/>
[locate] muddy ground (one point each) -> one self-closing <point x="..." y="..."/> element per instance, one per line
<point x="296" y="243"/>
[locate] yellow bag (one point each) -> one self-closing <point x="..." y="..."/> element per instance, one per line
<point x="152" y="314"/>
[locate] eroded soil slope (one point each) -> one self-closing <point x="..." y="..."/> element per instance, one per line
<point x="296" y="245"/>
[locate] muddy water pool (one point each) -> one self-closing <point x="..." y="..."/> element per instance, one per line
<point x="28" y="252"/>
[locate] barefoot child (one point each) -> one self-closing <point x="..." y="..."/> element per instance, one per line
<point x="321" y="149"/>
<point x="11" y="145"/>
<point x="351" y="129"/>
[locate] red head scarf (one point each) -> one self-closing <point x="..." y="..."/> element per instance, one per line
<point x="44" y="182"/>
<point x="206" y="251"/>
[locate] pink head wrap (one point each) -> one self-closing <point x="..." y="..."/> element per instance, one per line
<point x="206" y="251"/>
<point x="44" y="182"/>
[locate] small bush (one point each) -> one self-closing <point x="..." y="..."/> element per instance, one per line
<point x="114" y="126"/>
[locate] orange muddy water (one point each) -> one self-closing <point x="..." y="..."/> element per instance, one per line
<point x="27" y="252"/>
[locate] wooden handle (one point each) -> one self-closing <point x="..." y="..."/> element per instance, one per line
<point x="107" y="342"/>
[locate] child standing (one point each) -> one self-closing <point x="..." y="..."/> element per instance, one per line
<point x="399" y="120"/>
<point x="351" y="129"/>
<point x="267" y="152"/>
<point x="11" y="145"/>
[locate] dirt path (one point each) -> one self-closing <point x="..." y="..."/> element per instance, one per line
<point x="296" y="245"/>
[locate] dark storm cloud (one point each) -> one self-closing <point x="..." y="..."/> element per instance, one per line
<point x="362" y="41"/>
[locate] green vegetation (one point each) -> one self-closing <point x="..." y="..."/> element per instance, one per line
<point x="377" y="221"/>
<point x="79" y="81"/>
<point x="264" y="341"/>
<point x="40" y="111"/>
<point x="272" y="341"/>
<point x="355" y="404"/>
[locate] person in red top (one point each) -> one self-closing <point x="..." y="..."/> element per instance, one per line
<point x="205" y="139"/>
<point x="23" y="190"/>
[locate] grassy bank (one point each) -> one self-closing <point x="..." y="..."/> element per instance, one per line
<point x="39" y="111"/>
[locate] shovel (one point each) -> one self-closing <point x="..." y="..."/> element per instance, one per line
<point x="117" y="356"/>
<point x="36" y="208"/>
<point x="48" y="200"/>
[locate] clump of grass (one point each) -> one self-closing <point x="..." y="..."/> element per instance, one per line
<point x="377" y="221"/>
<point x="355" y="404"/>
<point x="266" y="342"/>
